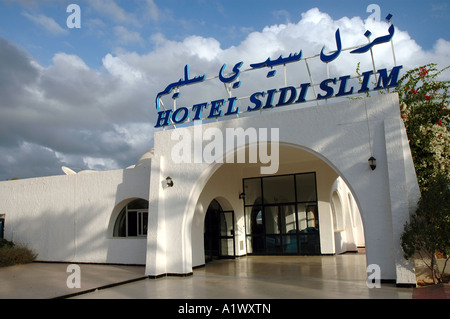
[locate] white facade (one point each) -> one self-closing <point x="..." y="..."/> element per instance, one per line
<point x="71" y="218"/>
<point x="332" y="140"/>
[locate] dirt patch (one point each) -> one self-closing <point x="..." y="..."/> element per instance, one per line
<point x="423" y="273"/>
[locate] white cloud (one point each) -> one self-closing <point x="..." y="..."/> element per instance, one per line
<point x="70" y="114"/>
<point x="205" y="49"/>
<point x="47" y="23"/>
<point x="121" y="69"/>
<point x="125" y="36"/>
<point x="109" y="8"/>
<point x="152" y="10"/>
<point x="96" y="163"/>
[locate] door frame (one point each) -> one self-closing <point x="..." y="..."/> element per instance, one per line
<point x="232" y="235"/>
<point x="214" y="248"/>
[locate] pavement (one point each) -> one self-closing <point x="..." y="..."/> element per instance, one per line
<point x="250" y="277"/>
<point x="42" y="280"/>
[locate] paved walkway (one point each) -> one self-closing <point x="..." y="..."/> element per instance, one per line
<point x="252" y="277"/>
<point x="280" y="277"/>
<point x="49" y="280"/>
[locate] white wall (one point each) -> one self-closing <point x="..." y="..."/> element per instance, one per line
<point x="348" y="230"/>
<point x="68" y="218"/>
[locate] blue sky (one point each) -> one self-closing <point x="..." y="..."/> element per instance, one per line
<point x="229" y="22"/>
<point x="84" y="98"/>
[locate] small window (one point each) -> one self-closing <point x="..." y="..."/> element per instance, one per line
<point x="132" y="220"/>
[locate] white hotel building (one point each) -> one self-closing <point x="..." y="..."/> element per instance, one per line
<point x="290" y="179"/>
<point x="323" y="199"/>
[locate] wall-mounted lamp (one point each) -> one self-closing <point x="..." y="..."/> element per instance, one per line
<point x="372" y="163"/>
<point x="169" y="181"/>
<point x="241" y="195"/>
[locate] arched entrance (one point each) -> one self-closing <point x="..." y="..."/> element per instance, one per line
<point x="219" y="240"/>
<point x="349" y="134"/>
<point x="287" y="213"/>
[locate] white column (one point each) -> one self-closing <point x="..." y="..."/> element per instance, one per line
<point x="399" y="195"/>
<point x="156" y="234"/>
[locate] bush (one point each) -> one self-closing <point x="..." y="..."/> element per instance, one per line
<point x="424" y="101"/>
<point x="428" y="232"/>
<point x="5" y="243"/>
<point x="10" y="254"/>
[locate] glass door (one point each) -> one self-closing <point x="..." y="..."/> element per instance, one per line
<point x="226" y="237"/>
<point x="281" y="215"/>
<point x="288" y="229"/>
<point x="280" y="223"/>
<point x="211" y="234"/>
<point x="219" y="233"/>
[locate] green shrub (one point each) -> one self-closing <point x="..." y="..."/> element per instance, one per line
<point x="428" y="232"/>
<point x="11" y="254"/>
<point x="6" y="243"/>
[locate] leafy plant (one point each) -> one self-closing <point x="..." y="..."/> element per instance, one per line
<point x="11" y="254"/>
<point x="426" y="114"/>
<point x="428" y="232"/>
<point x="6" y="243"/>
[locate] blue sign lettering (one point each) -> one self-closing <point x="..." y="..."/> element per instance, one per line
<point x="332" y="87"/>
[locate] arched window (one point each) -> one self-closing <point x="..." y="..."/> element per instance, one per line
<point x="132" y="220"/>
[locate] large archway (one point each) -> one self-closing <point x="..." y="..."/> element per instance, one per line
<point x="269" y="221"/>
<point x="334" y="141"/>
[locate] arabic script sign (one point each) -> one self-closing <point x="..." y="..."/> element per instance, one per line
<point x="262" y="100"/>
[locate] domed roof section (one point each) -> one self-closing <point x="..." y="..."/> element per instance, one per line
<point x="145" y="158"/>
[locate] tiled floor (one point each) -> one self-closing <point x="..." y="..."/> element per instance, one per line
<point x="253" y="277"/>
<point x="49" y="280"/>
